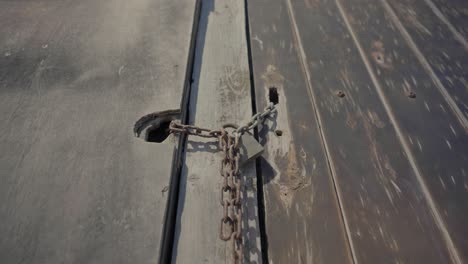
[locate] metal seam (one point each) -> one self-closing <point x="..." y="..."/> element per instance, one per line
<point x="435" y="212"/>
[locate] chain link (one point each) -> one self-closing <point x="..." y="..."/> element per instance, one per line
<point x="230" y="193"/>
<point x="231" y="220"/>
<point x="176" y="127"/>
<point x="256" y="120"/>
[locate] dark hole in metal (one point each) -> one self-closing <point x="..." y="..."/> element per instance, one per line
<point x="273" y="96"/>
<point x="412" y="95"/>
<point x="340" y="94"/>
<point x="160" y="133"/>
<point x="278" y="132"/>
<point x="154" y="127"/>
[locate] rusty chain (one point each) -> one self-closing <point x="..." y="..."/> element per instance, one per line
<point x="231" y="222"/>
<point x="256" y="120"/>
<point x="231" y="193"/>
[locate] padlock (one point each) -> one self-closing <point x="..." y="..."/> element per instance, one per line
<point x="249" y="148"/>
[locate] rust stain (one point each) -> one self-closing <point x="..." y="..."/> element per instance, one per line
<point x="293" y="171"/>
<point x="351" y="120"/>
<point x="380" y="57"/>
<point x="293" y="178"/>
<point x="285" y="157"/>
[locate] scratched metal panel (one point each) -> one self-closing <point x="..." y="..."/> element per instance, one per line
<point x="302" y="216"/>
<point x="386" y="215"/>
<point x="454" y="12"/>
<point x="76" y="186"/>
<point x="439" y="47"/>
<point x="435" y="140"/>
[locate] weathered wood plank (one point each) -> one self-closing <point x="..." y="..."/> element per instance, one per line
<point x="76" y="185"/>
<point x="220" y="94"/>
<point x="435" y="143"/>
<point x="303" y="219"/>
<point x="386" y="214"/>
<point x="442" y="52"/>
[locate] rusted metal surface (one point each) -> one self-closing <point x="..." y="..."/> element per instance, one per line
<point x="439" y="50"/>
<point x="435" y="140"/>
<point x="383" y="120"/>
<point x="302" y="216"/>
<point x="380" y="194"/>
